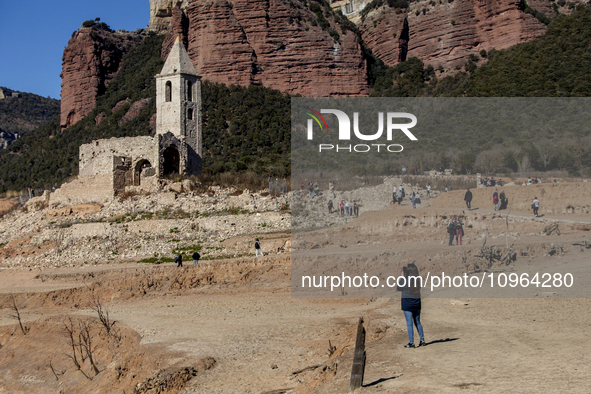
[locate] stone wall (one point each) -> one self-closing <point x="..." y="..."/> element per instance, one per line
<point x="97" y="157"/>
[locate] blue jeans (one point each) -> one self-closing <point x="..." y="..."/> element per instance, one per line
<point x="416" y="317"/>
<point x="451" y="238"/>
<point x="496" y="206"/>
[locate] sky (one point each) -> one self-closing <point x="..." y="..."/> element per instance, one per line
<point x="34" y="34"/>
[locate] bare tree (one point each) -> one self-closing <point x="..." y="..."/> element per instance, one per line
<point x="523" y="165"/>
<point x="17" y="315"/>
<point x="82" y="347"/>
<point x="69" y="331"/>
<point x="102" y="312"/>
<point x="546" y="150"/>
<point x="86" y="344"/>
<point x="57" y="375"/>
<point x="103" y="316"/>
<point x="489" y="161"/>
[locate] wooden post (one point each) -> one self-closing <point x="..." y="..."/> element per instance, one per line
<point x="358" y="359"/>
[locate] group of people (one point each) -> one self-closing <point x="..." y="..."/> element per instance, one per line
<point x="312" y="188"/>
<point x="179" y="259"/>
<point x="345" y="208"/>
<point x="455" y="228"/>
<point x="196" y="256"/>
<point x="500" y="201"/>
<point x="491" y="182"/>
<point x="533" y="181"/>
<point x="398" y="194"/>
<point x="416" y="200"/>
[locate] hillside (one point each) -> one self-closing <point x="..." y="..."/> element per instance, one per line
<point x="22" y="112"/>
<point x="247" y="129"/>
<point x="239" y="133"/>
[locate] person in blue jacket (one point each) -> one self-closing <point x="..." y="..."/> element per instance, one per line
<point x="411" y="303"/>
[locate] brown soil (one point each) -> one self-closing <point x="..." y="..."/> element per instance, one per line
<point x="232" y="326"/>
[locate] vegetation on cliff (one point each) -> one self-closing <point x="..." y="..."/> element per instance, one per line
<point x="49" y="155"/>
<point x="19" y="115"/>
<point x="244" y="128"/>
<point x="247" y="129"/>
<point x="555" y="65"/>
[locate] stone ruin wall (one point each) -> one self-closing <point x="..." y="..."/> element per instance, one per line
<point x="105" y="166"/>
<point x="97" y="157"/>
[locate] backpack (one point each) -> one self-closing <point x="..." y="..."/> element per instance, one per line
<point x="451" y="228"/>
<point x="257" y="245"/>
<point x="196" y="256"/>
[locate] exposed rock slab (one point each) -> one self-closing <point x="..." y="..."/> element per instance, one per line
<point x="91" y="59"/>
<point x="447" y="33"/>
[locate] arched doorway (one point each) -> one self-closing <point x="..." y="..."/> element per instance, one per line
<point x="139" y="167"/>
<point x="171" y="163"/>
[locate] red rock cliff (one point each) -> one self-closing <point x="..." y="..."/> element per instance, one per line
<point x="447" y="33"/>
<point x="275" y="43"/>
<point x="90" y="61"/>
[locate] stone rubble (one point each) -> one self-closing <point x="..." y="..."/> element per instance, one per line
<point x="141" y="227"/>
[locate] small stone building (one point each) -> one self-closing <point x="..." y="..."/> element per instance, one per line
<point x="108" y="166"/>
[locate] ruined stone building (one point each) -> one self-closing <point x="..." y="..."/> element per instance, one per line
<point x="107" y="167"/>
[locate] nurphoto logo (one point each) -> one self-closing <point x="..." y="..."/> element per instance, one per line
<point x="344" y="130"/>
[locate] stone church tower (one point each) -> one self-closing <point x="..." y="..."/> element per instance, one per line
<point x="109" y="167"/>
<point x="178" y="115"/>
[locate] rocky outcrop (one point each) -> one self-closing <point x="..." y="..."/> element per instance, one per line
<point x="161" y="13"/>
<point x="276" y="44"/>
<point x="446" y="33"/>
<point x="134" y="110"/>
<point x="90" y="61"/>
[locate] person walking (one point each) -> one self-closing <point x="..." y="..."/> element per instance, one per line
<point x="342" y="206"/>
<point x="330" y="206"/>
<point x="503" y="200"/>
<point x="347" y="207"/>
<point x="428" y="190"/>
<point x="355" y="208"/>
<point x="535" y="206"/>
<point x="451" y="230"/>
<point x="316" y="189"/>
<point x="394" y="195"/>
<point x="179" y="260"/>
<point x="411" y="303"/>
<point x="468" y="199"/>
<point x="402" y="194"/>
<point x="459" y="226"/>
<point x="418" y="200"/>
<point x="257" y="248"/>
<point x="412" y="199"/>
<point x="496" y="199"/>
<point x="196" y="256"/>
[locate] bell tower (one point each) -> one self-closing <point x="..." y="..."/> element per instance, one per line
<point x="178" y="114"/>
